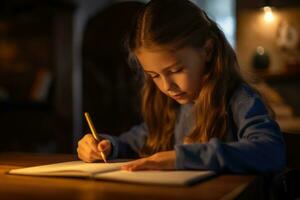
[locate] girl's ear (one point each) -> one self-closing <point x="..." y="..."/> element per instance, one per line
<point x="208" y="48"/>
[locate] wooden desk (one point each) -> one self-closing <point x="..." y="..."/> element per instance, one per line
<point x="29" y="187"/>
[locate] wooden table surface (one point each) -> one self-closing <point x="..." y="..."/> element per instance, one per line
<point x="30" y="187"/>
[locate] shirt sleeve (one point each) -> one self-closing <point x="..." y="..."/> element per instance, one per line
<point x="259" y="147"/>
<point x="129" y="143"/>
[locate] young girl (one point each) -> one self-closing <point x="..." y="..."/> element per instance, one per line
<point x="199" y="112"/>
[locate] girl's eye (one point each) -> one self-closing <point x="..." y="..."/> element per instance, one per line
<point x="176" y="70"/>
<point x="153" y="76"/>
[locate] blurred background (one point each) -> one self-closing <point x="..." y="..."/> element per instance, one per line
<point x="59" y="58"/>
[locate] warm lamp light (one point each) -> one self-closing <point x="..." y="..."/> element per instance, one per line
<point x="268" y="14"/>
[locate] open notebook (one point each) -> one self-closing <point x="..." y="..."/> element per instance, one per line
<point x="111" y="171"/>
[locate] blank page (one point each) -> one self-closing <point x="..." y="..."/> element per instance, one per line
<point x="157" y="177"/>
<point x="73" y="168"/>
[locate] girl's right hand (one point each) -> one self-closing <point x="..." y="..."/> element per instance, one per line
<point x="89" y="149"/>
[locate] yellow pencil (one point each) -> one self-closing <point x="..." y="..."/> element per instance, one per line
<point x="94" y="132"/>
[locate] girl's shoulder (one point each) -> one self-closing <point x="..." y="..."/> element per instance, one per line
<point x="242" y="92"/>
<point x="246" y="102"/>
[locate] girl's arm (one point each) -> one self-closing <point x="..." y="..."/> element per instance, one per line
<point x="128" y="144"/>
<point x="260" y="146"/>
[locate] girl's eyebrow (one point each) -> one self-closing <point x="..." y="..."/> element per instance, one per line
<point x="166" y="68"/>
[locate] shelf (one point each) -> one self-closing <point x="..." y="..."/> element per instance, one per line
<point x="288" y="74"/>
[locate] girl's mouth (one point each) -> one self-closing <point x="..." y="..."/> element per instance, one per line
<point x="179" y="95"/>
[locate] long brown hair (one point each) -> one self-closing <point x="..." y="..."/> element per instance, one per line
<point x="175" y="24"/>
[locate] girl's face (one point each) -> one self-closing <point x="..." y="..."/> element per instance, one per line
<point x="178" y="74"/>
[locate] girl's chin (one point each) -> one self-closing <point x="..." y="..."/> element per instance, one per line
<point x="182" y="101"/>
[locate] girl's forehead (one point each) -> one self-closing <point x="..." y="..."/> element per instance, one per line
<point x="160" y="59"/>
<point x="156" y="59"/>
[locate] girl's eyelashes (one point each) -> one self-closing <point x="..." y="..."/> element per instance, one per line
<point x="176" y="70"/>
<point x="153" y="76"/>
<point x="171" y="71"/>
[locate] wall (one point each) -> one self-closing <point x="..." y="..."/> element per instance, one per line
<point x="254" y="31"/>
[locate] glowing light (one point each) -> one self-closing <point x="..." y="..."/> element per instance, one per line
<point x="260" y="50"/>
<point x="268" y="14"/>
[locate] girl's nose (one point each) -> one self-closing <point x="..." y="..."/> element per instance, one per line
<point x="167" y="84"/>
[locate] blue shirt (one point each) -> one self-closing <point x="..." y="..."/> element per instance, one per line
<point x="254" y="142"/>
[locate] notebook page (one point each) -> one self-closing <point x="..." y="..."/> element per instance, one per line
<point x="157" y="177"/>
<point x="76" y="168"/>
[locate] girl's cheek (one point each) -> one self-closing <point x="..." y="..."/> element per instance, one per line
<point x="184" y="83"/>
<point x="159" y="86"/>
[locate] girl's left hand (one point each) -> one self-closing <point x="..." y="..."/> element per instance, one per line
<point x="159" y="161"/>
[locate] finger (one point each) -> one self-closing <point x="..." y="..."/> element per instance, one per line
<point x="89" y="153"/>
<point x="104" y="145"/>
<point x="87" y="157"/>
<point x="81" y="156"/>
<point x="79" y="153"/>
<point x="92" y="143"/>
<point x="88" y="140"/>
<point x="88" y="148"/>
<point x="141" y="164"/>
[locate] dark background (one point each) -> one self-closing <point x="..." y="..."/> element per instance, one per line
<point x="36" y="42"/>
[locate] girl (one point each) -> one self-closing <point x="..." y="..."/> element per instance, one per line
<point x="199" y="112"/>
